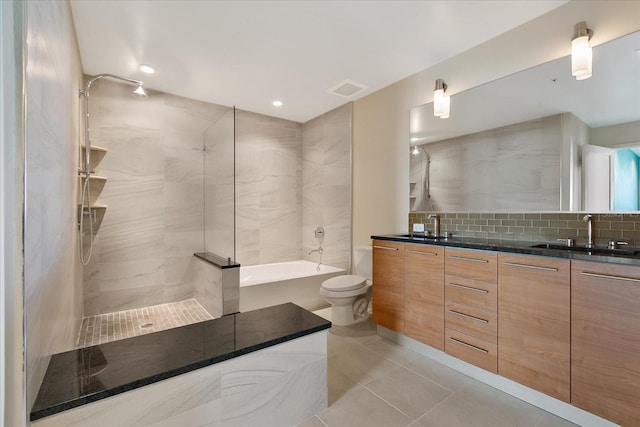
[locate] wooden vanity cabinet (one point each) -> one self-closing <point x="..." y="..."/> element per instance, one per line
<point x="534" y="316"/>
<point x="470" y="307"/>
<point x="388" y="285"/>
<point x="605" y="340"/>
<point x="424" y="294"/>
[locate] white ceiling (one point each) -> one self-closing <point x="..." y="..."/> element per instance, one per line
<point x="249" y="53"/>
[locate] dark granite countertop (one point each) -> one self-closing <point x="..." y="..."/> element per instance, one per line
<point x="81" y="376"/>
<point x="216" y="260"/>
<point x="598" y="254"/>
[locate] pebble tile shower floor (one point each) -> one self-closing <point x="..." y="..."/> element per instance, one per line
<point x="119" y="325"/>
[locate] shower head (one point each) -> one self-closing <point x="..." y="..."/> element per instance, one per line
<point x="139" y="91"/>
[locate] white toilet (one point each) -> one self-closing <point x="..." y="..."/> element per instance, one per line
<point x="349" y="295"/>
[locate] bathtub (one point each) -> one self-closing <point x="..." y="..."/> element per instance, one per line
<point x="299" y="282"/>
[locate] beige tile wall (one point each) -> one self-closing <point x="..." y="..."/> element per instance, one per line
<point x="268" y="189"/>
<point x="539" y="227"/>
<point x="219" y="191"/>
<point x="52" y="274"/>
<point x="326" y="177"/>
<point x="143" y="250"/>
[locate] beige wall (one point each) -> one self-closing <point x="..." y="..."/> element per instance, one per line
<point x="143" y="249"/>
<point x="268" y="189"/>
<point x="326" y="186"/>
<point x="12" y="16"/>
<point x="381" y="120"/>
<point x="53" y="279"/>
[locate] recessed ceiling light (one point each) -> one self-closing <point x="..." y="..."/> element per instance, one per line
<point x="146" y="69"/>
<point x="277" y="103"/>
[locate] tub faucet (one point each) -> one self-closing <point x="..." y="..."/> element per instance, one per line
<point x="436" y="224"/>
<point x="319" y="250"/>
<point x="589" y="220"/>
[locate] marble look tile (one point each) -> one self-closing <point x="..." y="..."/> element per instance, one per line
<point x="208" y="286"/>
<point x="438" y="373"/>
<point x="127" y="298"/>
<point x="285" y="385"/>
<point x="52" y="274"/>
<point x="550" y="420"/>
<point x="189" y="396"/>
<point x="178" y="291"/>
<point x="312" y="422"/>
<point x="363" y="367"/>
<point x="482" y="405"/>
<point x="360" y="407"/>
<point x="183" y="164"/>
<point x="183" y="207"/>
<point x="390" y="350"/>
<point x="327" y="183"/>
<point x="131" y="274"/>
<point x="410" y="393"/>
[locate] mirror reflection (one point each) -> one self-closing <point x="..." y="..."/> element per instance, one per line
<point x="535" y="141"/>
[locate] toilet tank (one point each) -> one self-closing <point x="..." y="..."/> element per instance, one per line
<point x="362" y="261"/>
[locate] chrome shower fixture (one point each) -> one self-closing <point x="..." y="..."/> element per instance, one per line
<point x="139" y="91"/>
<point x="85" y="172"/>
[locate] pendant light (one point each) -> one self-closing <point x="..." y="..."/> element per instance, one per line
<point x="581" y="51"/>
<point x="441" y="101"/>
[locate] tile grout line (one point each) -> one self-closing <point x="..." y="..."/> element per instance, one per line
<point x="389" y="403"/>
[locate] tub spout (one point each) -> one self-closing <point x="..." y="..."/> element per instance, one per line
<point x="319" y="250"/>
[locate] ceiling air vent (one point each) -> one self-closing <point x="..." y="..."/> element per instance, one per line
<point x="347" y="88"/>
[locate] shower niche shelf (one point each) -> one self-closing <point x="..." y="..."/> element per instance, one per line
<point x="96" y="185"/>
<point x="97" y="211"/>
<point x="97" y="154"/>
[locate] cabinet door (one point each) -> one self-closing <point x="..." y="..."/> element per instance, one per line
<point x="424" y="294"/>
<point x="388" y="285"/>
<point x="534" y="318"/>
<point x="605" y="340"/>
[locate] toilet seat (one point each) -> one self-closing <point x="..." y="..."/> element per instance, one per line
<point x="344" y="283"/>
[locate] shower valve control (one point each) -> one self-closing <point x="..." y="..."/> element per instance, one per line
<point x="319" y="232"/>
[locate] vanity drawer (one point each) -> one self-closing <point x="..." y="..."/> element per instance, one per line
<point x="473" y="350"/>
<point x="472" y="321"/>
<point x="480" y="265"/>
<point x="471" y="292"/>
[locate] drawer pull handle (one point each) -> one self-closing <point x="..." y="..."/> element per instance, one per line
<point x="469" y="288"/>
<point x="385" y="247"/>
<point x="469" y="345"/>
<point x="469" y="316"/>
<point x="608" y="276"/>
<point x="422" y="253"/>
<point x="532" y="267"/>
<point x="461" y="258"/>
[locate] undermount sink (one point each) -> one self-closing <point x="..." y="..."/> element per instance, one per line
<point x="593" y="251"/>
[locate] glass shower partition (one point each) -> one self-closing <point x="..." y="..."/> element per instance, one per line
<point x="219" y="186"/>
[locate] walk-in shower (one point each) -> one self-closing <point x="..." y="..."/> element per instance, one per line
<point x="85" y="170"/>
<point x="420" y="182"/>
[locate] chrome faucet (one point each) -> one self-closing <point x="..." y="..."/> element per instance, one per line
<point x="589" y="220"/>
<point x="436" y="224"/>
<point x="319" y="250"/>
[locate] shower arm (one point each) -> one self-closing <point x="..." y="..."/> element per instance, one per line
<point x="87" y="139"/>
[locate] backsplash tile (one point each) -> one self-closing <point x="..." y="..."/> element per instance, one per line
<point x="538" y="227"/>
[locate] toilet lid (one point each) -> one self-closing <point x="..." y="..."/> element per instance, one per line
<point x="344" y="283"/>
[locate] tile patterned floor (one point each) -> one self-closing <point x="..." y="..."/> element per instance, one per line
<point x="373" y="382"/>
<point x="108" y="327"/>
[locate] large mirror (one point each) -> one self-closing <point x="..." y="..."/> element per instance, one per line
<point x="535" y="141"/>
